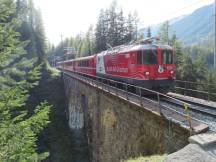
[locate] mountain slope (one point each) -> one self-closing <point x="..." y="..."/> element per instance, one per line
<point x="196" y="25"/>
<point x="191" y="28"/>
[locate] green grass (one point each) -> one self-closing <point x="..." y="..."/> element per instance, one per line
<point x="154" y="158"/>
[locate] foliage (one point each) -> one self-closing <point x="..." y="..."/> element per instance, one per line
<point x="19" y="127"/>
<point x="153" y="158"/>
<point x="149" y="32"/>
<point x="32" y="29"/>
<point x="113" y="28"/>
<point x="193" y="63"/>
<point x="56" y="137"/>
<point x="165" y="33"/>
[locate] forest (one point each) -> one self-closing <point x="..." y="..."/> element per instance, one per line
<point x="25" y="54"/>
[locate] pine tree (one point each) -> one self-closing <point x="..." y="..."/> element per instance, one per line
<point x="149" y="32"/>
<point x="112" y="37"/>
<point x="18" y="128"/>
<point x="164" y="33"/>
<point x="210" y="87"/>
<point x="101" y="32"/>
<point x="31" y="29"/>
<point x="129" y="28"/>
<point x="186" y="70"/>
<point x="40" y="39"/>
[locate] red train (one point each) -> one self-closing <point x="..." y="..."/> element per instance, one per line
<point x="144" y="64"/>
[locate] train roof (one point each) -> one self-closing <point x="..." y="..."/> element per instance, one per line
<point x="137" y="47"/>
<point x="84" y="58"/>
<point x="79" y="59"/>
<point x="144" y="44"/>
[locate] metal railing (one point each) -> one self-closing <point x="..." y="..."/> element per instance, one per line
<point x="113" y="86"/>
<point x="194" y="89"/>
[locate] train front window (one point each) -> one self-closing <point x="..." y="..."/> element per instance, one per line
<point x="147" y="57"/>
<point x="167" y="57"/>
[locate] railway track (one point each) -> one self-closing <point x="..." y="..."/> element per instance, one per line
<point x="195" y="107"/>
<point x="201" y="112"/>
<point x="169" y="103"/>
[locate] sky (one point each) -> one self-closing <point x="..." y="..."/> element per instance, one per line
<point x="71" y="17"/>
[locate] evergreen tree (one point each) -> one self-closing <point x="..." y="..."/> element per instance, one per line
<point x="200" y="69"/>
<point x="31" y="29"/>
<point x="113" y="28"/>
<point x="40" y="39"/>
<point x="131" y="27"/>
<point x="112" y="37"/>
<point x="210" y="79"/>
<point x="178" y="50"/>
<point x="164" y="33"/>
<point x="18" y="127"/>
<point x="149" y="32"/>
<point x="87" y="48"/>
<point x="101" y="32"/>
<point x="186" y="69"/>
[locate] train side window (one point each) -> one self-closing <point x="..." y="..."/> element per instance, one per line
<point x="139" y="57"/>
<point x="167" y="57"/>
<point x="150" y="57"/>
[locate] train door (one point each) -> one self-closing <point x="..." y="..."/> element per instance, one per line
<point x="167" y="62"/>
<point x="131" y="63"/>
<point x="150" y="61"/>
<point x="100" y="68"/>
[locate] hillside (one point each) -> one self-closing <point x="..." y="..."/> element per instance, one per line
<point x="192" y="28"/>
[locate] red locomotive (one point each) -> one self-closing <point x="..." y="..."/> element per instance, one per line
<point x="142" y="64"/>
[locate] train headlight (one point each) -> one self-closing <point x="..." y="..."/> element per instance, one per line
<point x="147" y="73"/>
<point x="171" y="72"/>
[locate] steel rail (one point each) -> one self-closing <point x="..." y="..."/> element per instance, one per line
<point x="195" y="109"/>
<point x="100" y="82"/>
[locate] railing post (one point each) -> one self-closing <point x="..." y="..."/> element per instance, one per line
<point x="140" y="93"/>
<point x="126" y="92"/>
<point x="102" y="83"/>
<point x="116" y="88"/>
<point x="188" y="117"/>
<point x="108" y="85"/>
<point x="158" y="98"/>
<point x="208" y="91"/>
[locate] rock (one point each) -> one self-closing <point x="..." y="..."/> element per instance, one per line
<point x="193" y="153"/>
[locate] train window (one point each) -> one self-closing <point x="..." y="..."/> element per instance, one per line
<point x="139" y="57"/>
<point x="147" y="57"/>
<point x="167" y="57"/>
<point x="150" y="57"/>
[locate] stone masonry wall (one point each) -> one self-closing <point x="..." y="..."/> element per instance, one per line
<point x="116" y="129"/>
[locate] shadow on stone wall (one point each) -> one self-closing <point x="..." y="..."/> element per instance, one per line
<point x="117" y="129"/>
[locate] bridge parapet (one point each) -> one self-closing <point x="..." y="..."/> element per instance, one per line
<point x="119" y="126"/>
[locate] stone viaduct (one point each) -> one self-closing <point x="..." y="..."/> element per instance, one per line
<point x="117" y="128"/>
